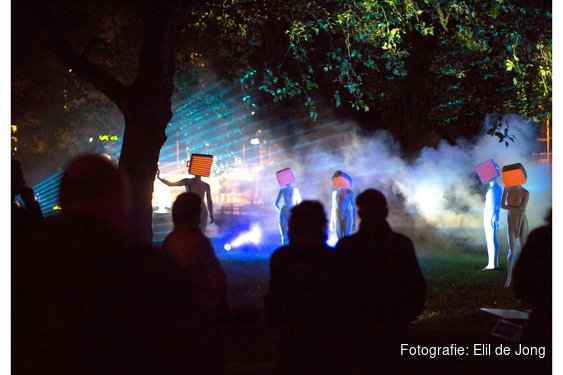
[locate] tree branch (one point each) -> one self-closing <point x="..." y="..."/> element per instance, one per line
<point x="78" y="63"/>
<point x="85" y="70"/>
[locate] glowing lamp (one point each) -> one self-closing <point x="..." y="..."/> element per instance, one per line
<point x="285" y="177"/>
<point x="487" y="171"/>
<point x="514" y="174"/>
<point x="200" y="165"/>
<point x="340" y="182"/>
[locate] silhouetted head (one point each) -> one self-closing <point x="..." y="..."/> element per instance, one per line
<point x="372" y="205"/>
<point x="17" y="178"/>
<point x="91" y="185"/>
<point x="307" y="220"/>
<point x="186" y="208"/>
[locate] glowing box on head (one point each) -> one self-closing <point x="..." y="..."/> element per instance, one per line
<point x="200" y="165"/>
<point x="285" y="177"/>
<point x="340" y="182"/>
<point x="514" y="174"/>
<point x="487" y="171"/>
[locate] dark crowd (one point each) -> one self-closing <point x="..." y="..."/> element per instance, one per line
<point x="88" y="300"/>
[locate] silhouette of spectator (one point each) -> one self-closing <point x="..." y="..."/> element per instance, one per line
<point x="300" y="302"/>
<point x="533" y="284"/>
<point x="93" y="303"/>
<point x="26" y="226"/>
<point x="383" y="287"/>
<point x="192" y="252"/>
<point x="26" y="218"/>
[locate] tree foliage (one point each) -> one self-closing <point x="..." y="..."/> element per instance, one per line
<point x="425" y="69"/>
<point x="451" y="62"/>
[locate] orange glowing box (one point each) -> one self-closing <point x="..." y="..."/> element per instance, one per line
<point x="514" y="174"/>
<point x="341" y="182"/>
<point x="285" y="177"/>
<point x="487" y="171"/>
<point x="200" y="165"/>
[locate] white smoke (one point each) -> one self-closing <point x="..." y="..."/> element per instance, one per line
<point x="439" y="189"/>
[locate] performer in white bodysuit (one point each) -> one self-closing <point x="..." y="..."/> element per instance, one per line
<point x="515" y="200"/>
<point x="490" y="222"/>
<point x="202" y="189"/>
<point x="288" y="197"/>
<point x="343" y="213"/>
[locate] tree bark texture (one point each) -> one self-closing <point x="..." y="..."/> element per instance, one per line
<point x="145" y="105"/>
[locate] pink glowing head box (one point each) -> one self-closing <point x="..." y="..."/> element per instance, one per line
<point x="285" y="177"/>
<point x="513" y="175"/>
<point x="341" y="180"/>
<point x="200" y="165"/>
<point x="487" y="171"/>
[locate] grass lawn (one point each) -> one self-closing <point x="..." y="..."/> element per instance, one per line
<point x="457" y="289"/>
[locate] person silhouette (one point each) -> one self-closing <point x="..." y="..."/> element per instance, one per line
<point x="192" y="253"/>
<point x="490" y="222"/>
<point x="532" y="281"/>
<point x="343" y="213"/>
<point x="93" y="301"/>
<point x="382" y="289"/>
<point x="288" y="197"/>
<point x="515" y="199"/>
<point x="300" y="301"/>
<point x="202" y="190"/>
<point x="28" y="217"/>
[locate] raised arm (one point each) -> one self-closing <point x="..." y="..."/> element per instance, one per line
<point x="182" y="182"/>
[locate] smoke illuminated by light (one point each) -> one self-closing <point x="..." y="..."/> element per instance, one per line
<point x="438" y="189"/>
<point x="253" y="236"/>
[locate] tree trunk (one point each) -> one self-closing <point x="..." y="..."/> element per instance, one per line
<point x="147" y="111"/>
<point x="142" y="141"/>
<point x="146" y="104"/>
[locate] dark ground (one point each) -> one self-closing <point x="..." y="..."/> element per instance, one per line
<point x="457" y="289"/>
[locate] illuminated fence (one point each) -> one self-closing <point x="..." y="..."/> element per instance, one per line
<point x="47" y="194"/>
